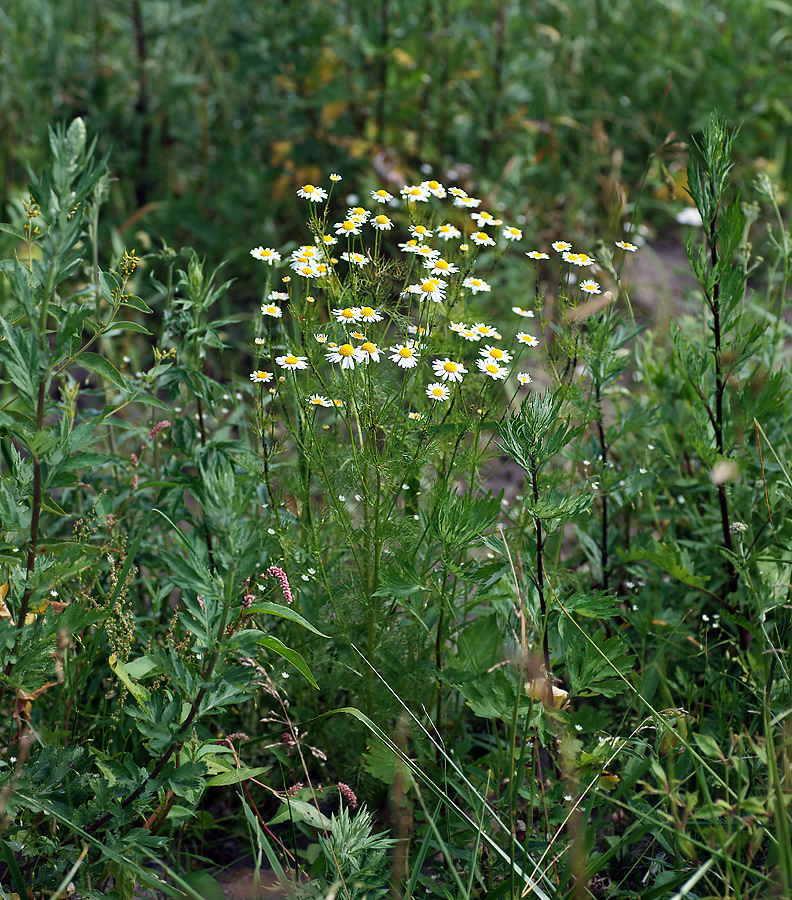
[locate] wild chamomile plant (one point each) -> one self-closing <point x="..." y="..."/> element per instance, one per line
<point x="387" y="376"/>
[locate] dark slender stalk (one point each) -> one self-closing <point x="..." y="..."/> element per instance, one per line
<point x="720" y="389"/>
<point x="604" y="459"/>
<point x="540" y="579"/>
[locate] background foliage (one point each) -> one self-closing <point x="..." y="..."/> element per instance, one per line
<point x="582" y="691"/>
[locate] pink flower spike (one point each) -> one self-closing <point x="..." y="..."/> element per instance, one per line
<point x="157" y="428"/>
<point x="275" y="572"/>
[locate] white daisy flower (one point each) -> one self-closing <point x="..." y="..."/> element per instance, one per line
<point x="561" y="246"/>
<point x="416" y="416"/>
<point x="512" y="234"/>
<point x="457" y="192"/>
<point x="426" y="252"/>
<point x="537" y="254"/>
<point x="495" y="354"/>
<point x="415" y="193"/>
<point x="292" y="362"/>
<point x="590" y="287"/>
<point x="457" y="327"/>
<point x="355" y="259"/>
<point x="312" y="193"/>
<point x="371" y="352"/>
<point x="579" y="259"/>
<point x="261" y="376"/>
<point x="382" y="223"/>
<point x="469" y="202"/>
<point x="420" y="232"/>
<point x="524" y="338"/>
<point x="434" y="187"/>
<point x="367" y="314"/>
<point x="431" y="289"/>
<point x="495" y="372"/>
<point x="348" y="315"/>
<point x="476" y="285"/>
<point x="306" y="269"/>
<point x="440" y="267"/>
<point x="626" y="245"/>
<point x="319" y="400"/>
<point x="357" y="213"/>
<point x="405" y="356"/>
<point x="347" y="227"/>
<point x="438" y="392"/>
<point x="277" y="295"/>
<point x="524" y="378"/>
<point x="446" y="232"/>
<point x="266" y="254"/>
<point x="320" y="338"/>
<point x="525" y="313"/>
<point x="270" y="309"/>
<point x="470" y="334"/>
<point x="326" y="240"/>
<point x="347" y="355"/>
<point x="483" y="330"/>
<point x="381" y="196"/>
<point x="482" y="219"/>
<point x="482" y="239"/>
<point x="448" y="370"/>
<point x="409" y="246"/>
<point x="334" y="177"/>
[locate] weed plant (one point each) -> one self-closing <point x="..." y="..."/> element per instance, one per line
<point x="245" y="608"/>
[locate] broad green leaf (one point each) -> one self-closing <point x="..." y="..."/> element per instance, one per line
<point x="285" y="612"/>
<point x="234" y="776"/>
<point x="122" y="673"/>
<point x="272" y="643"/>
<point x="127" y="326"/>
<point x="101" y="366"/>
<point x="301" y="811"/>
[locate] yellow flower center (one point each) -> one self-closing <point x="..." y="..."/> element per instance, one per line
<point x="433" y="185"/>
<point x="369" y="347"/>
<point x="450" y="367"/>
<point x="308" y="188"/>
<point x="306" y="270"/>
<point x="427" y="287"/>
<point x="348" y="225"/>
<point x="495" y="353"/>
<point x="405" y="352"/>
<point x="317" y="400"/>
<point x="358" y="211"/>
<point x="419" y="229"/>
<point x="290" y="360"/>
<point x="438" y="392"/>
<point x="382" y="220"/>
<point x="346" y="350"/>
<point x="492" y="368"/>
<point x="441" y="264"/>
<point x="415" y="192"/>
<point x="381" y="193"/>
<point x="261" y="375"/>
<point x="367" y="311"/>
<point x="321" y="267"/>
<point x="348" y="313"/>
<point x="271" y="309"/>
